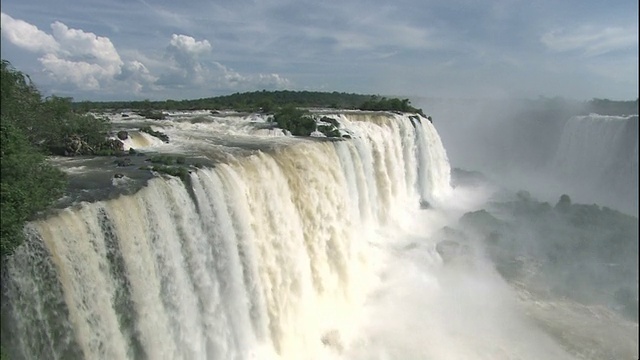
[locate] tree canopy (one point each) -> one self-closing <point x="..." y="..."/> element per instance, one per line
<point x="33" y="127"/>
<point x="265" y="101"/>
<point x="28" y="183"/>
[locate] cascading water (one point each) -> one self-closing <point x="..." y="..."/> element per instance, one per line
<point x="591" y="145"/>
<point x="599" y="152"/>
<point x="266" y="255"/>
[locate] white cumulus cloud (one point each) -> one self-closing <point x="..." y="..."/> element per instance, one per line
<point x="81" y="60"/>
<point x="74" y="56"/>
<point x="78" y="43"/>
<point x="186" y="54"/>
<point x="232" y="79"/>
<point x="84" y="75"/>
<point x="189" y="45"/>
<point x="27" y="36"/>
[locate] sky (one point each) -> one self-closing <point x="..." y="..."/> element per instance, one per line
<point x="166" y="49"/>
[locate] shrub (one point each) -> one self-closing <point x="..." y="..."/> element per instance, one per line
<point x="177" y="171"/>
<point x="298" y="122"/>
<point x="162" y="159"/>
<point x="28" y="185"/>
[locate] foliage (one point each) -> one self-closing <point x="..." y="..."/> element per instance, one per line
<point x="47" y="123"/>
<point x="612" y="107"/>
<point x="564" y="203"/>
<point x="264" y="101"/>
<point x="28" y="185"/>
<point x="32" y="127"/>
<point x="298" y="122"/>
<point x="329" y="127"/>
<point x="163" y="159"/>
<point x="393" y="104"/>
<point x="329" y="130"/>
<point x="177" y="171"/>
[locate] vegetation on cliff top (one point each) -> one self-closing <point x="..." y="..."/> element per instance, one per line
<point x="28" y="183"/>
<point x="33" y="127"/>
<point x="265" y="101"/>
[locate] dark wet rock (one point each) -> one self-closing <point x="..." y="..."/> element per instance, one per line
<point x="160" y="135"/>
<point x="424" y="204"/>
<point x="123" y="162"/>
<point x="113" y="144"/>
<point x="152" y="114"/>
<point x="124" y="115"/>
<point x="118" y="175"/>
<point x="123" y="135"/>
<point x="331" y="121"/>
<point x="74" y="145"/>
<point x="329" y="130"/>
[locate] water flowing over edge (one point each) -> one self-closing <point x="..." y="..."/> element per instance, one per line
<point x="597" y="160"/>
<point x="262" y="256"/>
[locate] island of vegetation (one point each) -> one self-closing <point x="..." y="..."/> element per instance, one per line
<point x="257" y="101"/>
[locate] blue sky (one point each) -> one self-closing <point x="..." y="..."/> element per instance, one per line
<point x="159" y="49"/>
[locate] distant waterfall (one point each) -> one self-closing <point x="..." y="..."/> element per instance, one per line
<point x="262" y="256"/>
<point x="600" y="152"/>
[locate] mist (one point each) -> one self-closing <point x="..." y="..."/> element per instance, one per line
<point x="492" y="274"/>
<point x="548" y="146"/>
<point x="550" y="239"/>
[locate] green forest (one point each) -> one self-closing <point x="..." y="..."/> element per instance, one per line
<point x="263" y="101"/>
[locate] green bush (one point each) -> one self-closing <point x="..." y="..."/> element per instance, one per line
<point x="28" y="185"/>
<point x="177" y="171"/>
<point x="393" y="104"/>
<point x="162" y="159"/>
<point x="329" y="130"/>
<point x="298" y="122"/>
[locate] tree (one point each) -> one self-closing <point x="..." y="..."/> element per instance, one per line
<point x="564" y="203"/>
<point x="28" y="184"/>
<point x="297" y="121"/>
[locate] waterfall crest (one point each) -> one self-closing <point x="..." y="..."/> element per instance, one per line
<point x="261" y="256"/>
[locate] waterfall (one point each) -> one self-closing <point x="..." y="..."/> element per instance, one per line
<point x="261" y="256"/>
<point x="599" y="154"/>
